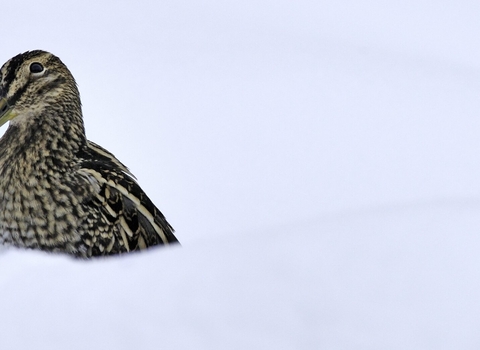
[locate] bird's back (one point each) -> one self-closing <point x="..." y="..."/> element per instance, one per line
<point x="127" y="219"/>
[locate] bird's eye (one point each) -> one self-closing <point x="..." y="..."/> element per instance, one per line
<point x="36" y="67"/>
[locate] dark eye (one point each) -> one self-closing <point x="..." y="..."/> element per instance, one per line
<point x="36" y="67"/>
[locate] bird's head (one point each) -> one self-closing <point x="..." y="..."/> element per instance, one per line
<point x="33" y="82"/>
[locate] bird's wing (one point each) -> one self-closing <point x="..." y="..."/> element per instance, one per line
<point x="125" y="209"/>
<point x="106" y="156"/>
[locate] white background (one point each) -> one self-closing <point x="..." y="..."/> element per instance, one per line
<point x="318" y="160"/>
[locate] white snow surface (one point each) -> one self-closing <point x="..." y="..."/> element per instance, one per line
<point x="318" y="159"/>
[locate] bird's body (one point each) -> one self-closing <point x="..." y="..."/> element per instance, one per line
<point x="58" y="191"/>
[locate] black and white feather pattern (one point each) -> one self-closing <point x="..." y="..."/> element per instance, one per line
<point x="126" y="210"/>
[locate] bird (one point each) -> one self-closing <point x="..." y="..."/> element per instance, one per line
<point x="59" y="191"/>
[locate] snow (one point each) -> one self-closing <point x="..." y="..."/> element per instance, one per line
<point x="394" y="277"/>
<point x="317" y="159"/>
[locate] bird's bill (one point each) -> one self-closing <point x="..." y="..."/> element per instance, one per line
<point x="6" y="112"/>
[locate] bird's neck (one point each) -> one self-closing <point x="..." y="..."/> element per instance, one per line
<point x="44" y="142"/>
